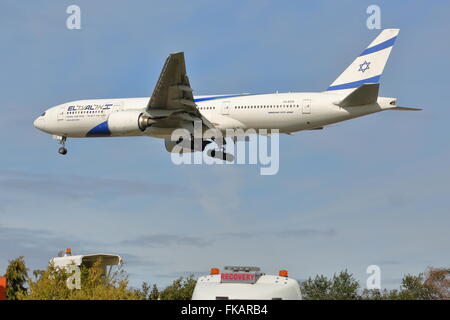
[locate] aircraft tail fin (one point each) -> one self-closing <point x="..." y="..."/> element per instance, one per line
<point x="364" y="94"/>
<point x="368" y="66"/>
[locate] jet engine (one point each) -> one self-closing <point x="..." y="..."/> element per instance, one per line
<point x="129" y="121"/>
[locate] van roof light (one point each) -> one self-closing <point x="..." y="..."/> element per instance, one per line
<point x="215" y="271"/>
<point x="283" y="273"/>
<point x="242" y="269"/>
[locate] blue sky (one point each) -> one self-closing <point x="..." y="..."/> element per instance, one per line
<point x="373" y="190"/>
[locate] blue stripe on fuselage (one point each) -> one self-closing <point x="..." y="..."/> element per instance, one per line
<point x="100" y="130"/>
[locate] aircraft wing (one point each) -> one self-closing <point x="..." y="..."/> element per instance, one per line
<point x="172" y="95"/>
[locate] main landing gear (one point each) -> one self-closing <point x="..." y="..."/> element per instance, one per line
<point x="62" y="141"/>
<point x="220" y="154"/>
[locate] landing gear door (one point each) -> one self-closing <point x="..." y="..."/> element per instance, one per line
<point x="226" y="107"/>
<point x="306" y="106"/>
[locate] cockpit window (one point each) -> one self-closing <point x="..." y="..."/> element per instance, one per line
<point x="43" y="114"/>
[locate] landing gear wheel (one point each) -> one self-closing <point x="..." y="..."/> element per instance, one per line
<point x="221" y="154"/>
<point x="62" y="141"/>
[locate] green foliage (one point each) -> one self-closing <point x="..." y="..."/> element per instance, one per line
<point x="50" y="284"/>
<point x="180" y="289"/>
<point x="414" y="288"/>
<point x="146" y="293"/>
<point x="154" y="294"/>
<point x="16" y="277"/>
<point x="375" y="294"/>
<point x="341" y="287"/>
<point x="439" y="280"/>
<point x="95" y="285"/>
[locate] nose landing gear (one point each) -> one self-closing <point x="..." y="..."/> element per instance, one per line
<point x="62" y="150"/>
<point x="62" y="141"/>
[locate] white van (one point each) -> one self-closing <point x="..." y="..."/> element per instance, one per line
<point x="73" y="263"/>
<point x="246" y="283"/>
<point x="87" y="260"/>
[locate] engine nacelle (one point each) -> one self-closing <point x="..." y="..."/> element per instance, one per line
<point x="129" y="121"/>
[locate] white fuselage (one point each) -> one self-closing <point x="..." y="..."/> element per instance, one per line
<point x="287" y="112"/>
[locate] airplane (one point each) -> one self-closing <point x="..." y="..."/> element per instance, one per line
<point x="172" y="105"/>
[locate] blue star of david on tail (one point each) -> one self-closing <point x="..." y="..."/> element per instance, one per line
<point x="364" y="66"/>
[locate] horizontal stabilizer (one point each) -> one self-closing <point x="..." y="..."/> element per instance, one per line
<point x="406" y="109"/>
<point x="364" y="94"/>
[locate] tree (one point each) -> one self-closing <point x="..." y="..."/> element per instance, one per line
<point x="344" y="287"/>
<point x="180" y="289"/>
<point x="315" y="289"/>
<point x="154" y="294"/>
<point x="415" y="288"/>
<point x="95" y="285"/>
<point x="376" y="294"/>
<point x="146" y="294"/>
<point x="16" y="277"/>
<point x="50" y="284"/>
<point x="439" y="280"/>
<point x="341" y="287"/>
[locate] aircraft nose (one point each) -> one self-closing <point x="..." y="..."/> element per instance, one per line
<point x="39" y="123"/>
